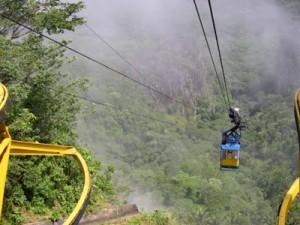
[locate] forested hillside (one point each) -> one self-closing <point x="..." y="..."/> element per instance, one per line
<point x="160" y="146"/>
<point x="40" y="188"/>
<point x="175" y="166"/>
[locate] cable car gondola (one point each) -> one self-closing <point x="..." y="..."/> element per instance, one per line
<point x="230" y="147"/>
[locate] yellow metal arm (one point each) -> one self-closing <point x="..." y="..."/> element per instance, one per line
<point x="9" y="147"/>
<point x="4" y="102"/>
<point x="297" y="118"/>
<point x="294" y="189"/>
<point x="287" y="201"/>
<point x="31" y="148"/>
<point x="4" y="158"/>
<point x="5" y="141"/>
<point x="36" y="149"/>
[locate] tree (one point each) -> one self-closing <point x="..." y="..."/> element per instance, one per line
<point x="44" y="109"/>
<point x="52" y="16"/>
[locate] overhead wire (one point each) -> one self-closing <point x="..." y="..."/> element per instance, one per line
<point x="86" y="99"/>
<point x="92" y="59"/>
<point x="115" y="51"/>
<point x="122" y="57"/>
<point x="133" y="67"/>
<point x="210" y="53"/>
<point x="220" y="56"/>
<point x="117" y="108"/>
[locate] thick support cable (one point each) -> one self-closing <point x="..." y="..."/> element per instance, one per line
<point x="122" y="57"/>
<point x="119" y="108"/>
<point x="221" y="61"/>
<point x="209" y="50"/>
<point x="91" y="59"/>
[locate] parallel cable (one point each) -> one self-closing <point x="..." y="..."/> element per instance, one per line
<point x="116" y="108"/>
<point x="221" y="61"/>
<point x="212" y="59"/>
<point x="91" y="59"/>
<point x="115" y="51"/>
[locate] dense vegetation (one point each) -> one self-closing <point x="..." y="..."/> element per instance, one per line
<point x="176" y="167"/>
<point x="46" y="186"/>
<point x="155" y="218"/>
<point x="171" y="165"/>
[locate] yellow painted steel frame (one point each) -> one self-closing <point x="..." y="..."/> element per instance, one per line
<point x="5" y="142"/>
<point x="287" y="201"/>
<point x="4" y="158"/>
<point x="9" y="147"/>
<point x="294" y="189"/>
<point x="37" y="149"/>
<point x="297" y="118"/>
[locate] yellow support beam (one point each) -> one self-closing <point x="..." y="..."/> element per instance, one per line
<point x="5" y="142"/>
<point x="9" y="147"/>
<point x="287" y="201"/>
<point x="3" y="98"/>
<point x="37" y="149"/>
<point x="294" y="189"/>
<point x="297" y="118"/>
<point x="4" y="158"/>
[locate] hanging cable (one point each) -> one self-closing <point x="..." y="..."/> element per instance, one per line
<point x="91" y="59"/>
<point x="213" y="62"/>
<point x="115" y="51"/>
<point x="124" y="59"/>
<point x="115" y="107"/>
<point x="120" y="109"/>
<point x="221" y="61"/>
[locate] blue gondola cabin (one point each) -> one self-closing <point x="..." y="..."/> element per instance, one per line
<point x="230" y="150"/>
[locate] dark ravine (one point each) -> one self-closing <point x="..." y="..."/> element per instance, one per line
<point x="99" y="217"/>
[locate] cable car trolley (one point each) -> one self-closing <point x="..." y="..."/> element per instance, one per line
<point x="230" y="147"/>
